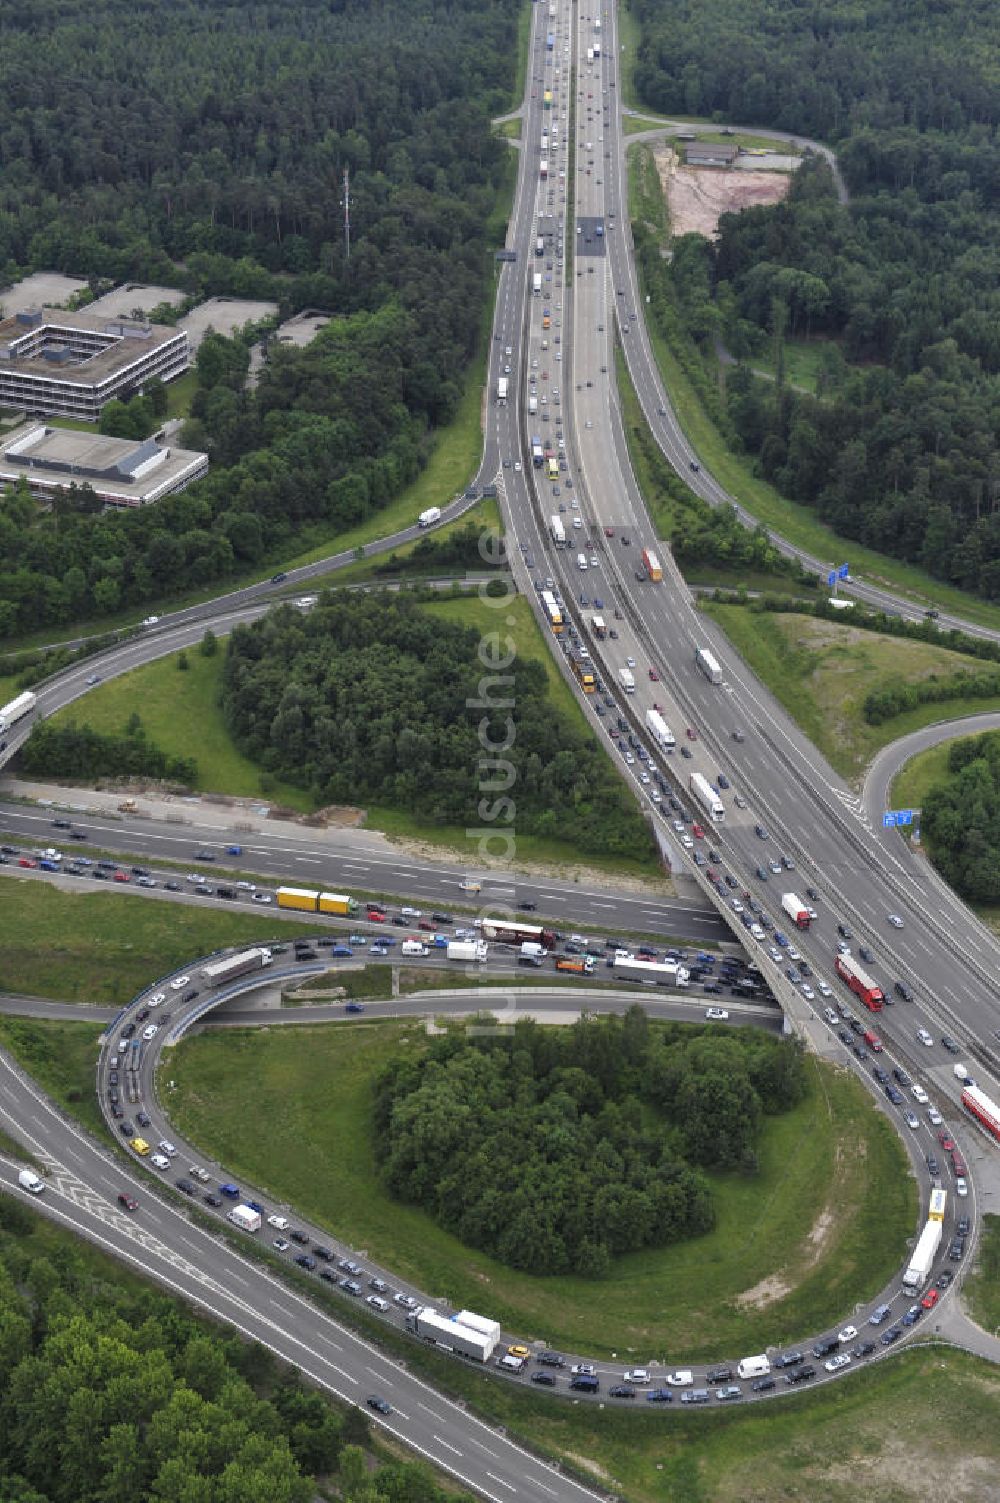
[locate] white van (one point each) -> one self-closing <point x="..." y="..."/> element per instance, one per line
<point x="753" y="1367"/>
<point x="581" y="562"/>
<point x="29" y="1181"/>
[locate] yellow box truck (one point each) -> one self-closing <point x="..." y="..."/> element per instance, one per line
<point x="298" y="897"/>
<point x="337" y="902"/>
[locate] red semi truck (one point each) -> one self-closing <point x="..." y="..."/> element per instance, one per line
<point x="860" y="982"/>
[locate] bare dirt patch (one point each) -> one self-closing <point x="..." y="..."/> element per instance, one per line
<point x="775" y="1286"/>
<point x="893" y="1469"/>
<point x="698" y="196"/>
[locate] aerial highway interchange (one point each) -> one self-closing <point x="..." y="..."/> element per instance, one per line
<point x="860" y="873"/>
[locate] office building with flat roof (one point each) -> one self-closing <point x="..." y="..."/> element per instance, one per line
<point x="123" y="472"/>
<point x="73" y="364"/>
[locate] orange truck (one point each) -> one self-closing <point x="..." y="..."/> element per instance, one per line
<point x="652" y="565"/>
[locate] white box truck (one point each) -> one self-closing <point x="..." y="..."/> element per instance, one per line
<point x="753" y="1367"/>
<point x="627" y="680"/>
<point x="451" y="1333"/>
<point x="245" y="1217"/>
<point x="659" y="730"/>
<point x="923" y="1255"/>
<point x="708" y="665"/>
<point x="429" y="517"/>
<point x="532" y="406"/>
<point x="536" y="284"/>
<point x="218" y="971"/>
<point x="468" y="949"/>
<point x="16" y="709"/>
<point x="659" y="972"/>
<point x="480" y="1323"/>
<point x="501" y="389"/>
<point x="707" y="797"/>
<point x="413" y="947"/>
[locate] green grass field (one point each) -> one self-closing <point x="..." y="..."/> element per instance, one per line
<point x="485" y="513"/>
<point x="181" y="715"/>
<point x="645" y="196"/>
<point x="918" y="775"/>
<point x="62" y="1057"/>
<point x="821" y="672"/>
<point x="982" y="1290"/>
<point x="804" y="360"/>
<point x="103" y="947"/>
<point x="811" y="1221"/>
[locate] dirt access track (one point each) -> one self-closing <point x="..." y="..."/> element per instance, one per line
<point x="698" y="196"/>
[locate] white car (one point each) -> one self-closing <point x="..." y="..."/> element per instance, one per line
<point x="736" y="905"/>
<point x="280" y="1223"/>
<point x="637" y="1375"/>
<point x="197" y="1172"/>
<point x="167" y="1147"/>
<point x="823" y="989"/>
<point x="847" y="1334"/>
<point x="583" y="1370"/>
<point x="961" y="1188"/>
<point x="157" y="999"/>
<point x="919" y="1094"/>
<point x="150" y="1032"/>
<point x="836" y="1363"/>
<point x="262" y="897"/>
<point x="774" y="953"/>
<point x="178" y="982"/>
<point x="716" y="1014"/>
<point x="150" y="620"/>
<point x="807" y="991"/>
<point x="158" y="1161"/>
<point x="895" y="920"/>
<point x="793" y="953"/>
<point x="247" y="886"/>
<point x="517" y="467"/>
<point x="934" y="1116"/>
<point x="683" y="1378"/>
<point x="687" y="842"/>
<point x="912" y="1120"/>
<point x="305" y="601"/>
<point x="375" y="1300"/>
<point x="411" y="913"/>
<point x="924" y="1037"/>
<point x="630" y="662"/>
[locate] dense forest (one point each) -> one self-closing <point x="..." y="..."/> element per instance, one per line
<point x="114" y="1393"/>
<point x="960" y="819"/>
<point x="899" y="448"/>
<point x="370" y="699"/>
<point x="203" y="146"/>
<point x="558" y="1149"/>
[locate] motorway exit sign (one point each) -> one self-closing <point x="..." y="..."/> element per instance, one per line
<point x="893" y="818"/>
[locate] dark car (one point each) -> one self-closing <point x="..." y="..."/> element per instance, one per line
<point x="546" y="1379"/>
<point x="902" y="990"/>
<point x="864" y="1349"/>
<point x="187" y="1186"/>
<point x="299" y="1237"/>
<point x="527" y="907"/>
<point x="379" y="1405"/>
<point x="789" y="1359"/>
<point x="962" y="1226"/>
<point x="304" y="1261"/>
<point x="719" y="1375"/>
<point x="932" y="1164"/>
<point x="143" y="1120"/>
<point x="551" y="1359"/>
<point x="826" y="1346"/>
<point x="172" y="886"/>
<point x="659" y="1396"/>
<point x="902" y="1076"/>
<point x="891" y="1335"/>
<point x="279" y="578"/>
<point x="622" y="1391"/>
<point x="762" y="1385"/>
<point x="845" y="931"/>
<point x="866" y="955"/>
<point x="231" y="1191"/>
<point x="945" y="1279"/>
<point x="126" y="1128"/>
<point x="896" y="1097"/>
<point x="212" y="1200"/>
<point x="802" y="1375"/>
<point x="324" y="1253"/>
<point x="949" y="1043"/>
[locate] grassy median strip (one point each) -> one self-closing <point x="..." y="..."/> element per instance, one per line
<point x="821" y="671"/>
<point x="794" y="1246"/>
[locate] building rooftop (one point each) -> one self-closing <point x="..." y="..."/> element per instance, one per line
<point x="125" y="472"/>
<point x="83" y="347"/>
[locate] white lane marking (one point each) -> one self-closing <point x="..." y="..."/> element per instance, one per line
<point x="503" y="1483"/>
<point x="447" y="1445"/>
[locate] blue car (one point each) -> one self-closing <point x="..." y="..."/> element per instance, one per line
<point x="233" y="1191"/>
<point x="341" y="950"/>
<point x="255" y="1205"/>
<point x="354" y="1007"/>
<point x="234" y="850"/>
<point x="780" y="939"/>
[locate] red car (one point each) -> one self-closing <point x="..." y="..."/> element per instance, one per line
<point x="24" y="861"/>
<point x="374" y="917"/>
<point x="946" y="1141"/>
<point x="609" y="532"/>
<point x="697" y="832"/>
<point x="931" y="1298"/>
<point x="128" y="1202"/>
<point x="692" y="734"/>
<point x="425" y="924"/>
<point x="654" y="676"/>
<point x="122" y="877"/>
